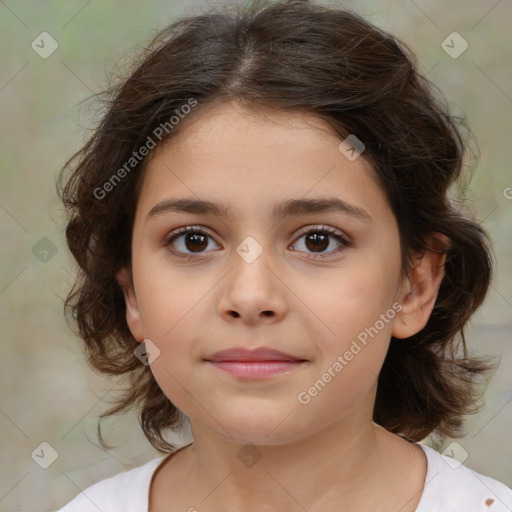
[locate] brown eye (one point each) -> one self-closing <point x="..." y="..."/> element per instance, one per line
<point x="317" y="242"/>
<point x="319" y="238"/>
<point x="195" y="242"/>
<point x="188" y="240"/>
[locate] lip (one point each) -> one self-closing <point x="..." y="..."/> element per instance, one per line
<point x="259" y="354"/>
<point x="254" y="364"/>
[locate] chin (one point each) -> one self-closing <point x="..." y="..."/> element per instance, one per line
<point x="261" y="431"/>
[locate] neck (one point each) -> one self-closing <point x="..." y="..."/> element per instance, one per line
<point x="310" y="472"/>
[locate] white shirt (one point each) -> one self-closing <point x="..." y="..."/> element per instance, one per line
<point x="449" y="487"/>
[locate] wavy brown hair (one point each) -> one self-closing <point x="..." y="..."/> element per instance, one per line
<point x="298" y="57"/>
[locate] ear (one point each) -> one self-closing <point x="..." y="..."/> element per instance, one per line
<point x="420" y="289"/>
<point x="125" y="280"/>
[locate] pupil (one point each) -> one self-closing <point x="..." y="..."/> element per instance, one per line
<point x="193" y="242"/>
<point x="320" y="241"/>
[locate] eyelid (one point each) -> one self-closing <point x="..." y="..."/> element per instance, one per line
<point x="325" y="228"/>
<point x="342" y="238"/>
<point x="195" y="228"/>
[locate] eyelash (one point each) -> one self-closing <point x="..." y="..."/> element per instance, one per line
<point x="326" y="230"/>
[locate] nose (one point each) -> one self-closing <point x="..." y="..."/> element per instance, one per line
<point x="253" y="291"/>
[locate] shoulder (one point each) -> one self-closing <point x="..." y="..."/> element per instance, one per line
<point x="127" y="491"/>
<point x="453" y="487"/>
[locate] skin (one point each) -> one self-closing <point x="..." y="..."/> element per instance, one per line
<point x="314" y="456"/>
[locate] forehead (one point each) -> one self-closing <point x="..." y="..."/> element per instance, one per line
<point x="229" y="154"/>
<point x="245" y="121"/>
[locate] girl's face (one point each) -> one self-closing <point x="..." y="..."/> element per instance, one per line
<point x="252" y="278"/>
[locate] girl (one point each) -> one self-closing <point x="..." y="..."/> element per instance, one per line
<point x="268" y="248"/>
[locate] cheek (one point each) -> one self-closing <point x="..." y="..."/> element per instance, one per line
<point x="359" y="298"/>
<point x="168" y="299"/>
<point x="170" y="303"/>
<point x="350" y="362"/>
<point x="358" y="312"/>
<point x="171" y="378"/>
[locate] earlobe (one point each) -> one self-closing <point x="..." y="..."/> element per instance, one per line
<point x="421" y="289"/>
<point x="125" y="280"/>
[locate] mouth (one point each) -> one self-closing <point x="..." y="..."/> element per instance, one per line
<point x="254" y="364"/>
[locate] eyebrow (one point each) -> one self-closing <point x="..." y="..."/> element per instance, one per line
<point x="286" y="208"/>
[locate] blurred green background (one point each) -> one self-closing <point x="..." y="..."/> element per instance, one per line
<point x="47" y="392"/>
